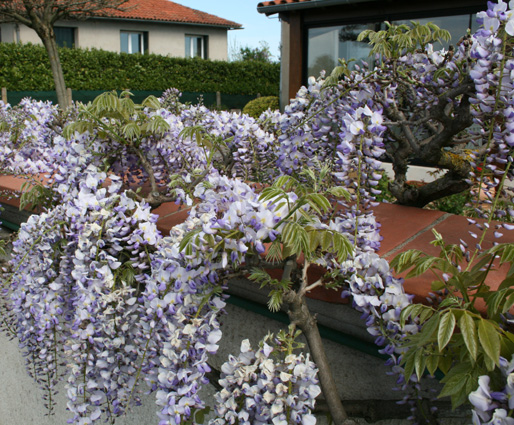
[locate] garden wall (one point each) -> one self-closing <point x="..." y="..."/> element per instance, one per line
<point x="359" y="376"/>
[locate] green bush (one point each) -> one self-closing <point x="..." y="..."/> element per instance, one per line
<point x="256" y="107"/>
<point x="26" y="67"/>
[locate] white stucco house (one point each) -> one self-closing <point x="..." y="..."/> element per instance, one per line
<point x="143" y="26"/>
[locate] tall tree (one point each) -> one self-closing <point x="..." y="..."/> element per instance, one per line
<point x="41" y="16"/>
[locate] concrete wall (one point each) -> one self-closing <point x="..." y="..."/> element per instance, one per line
<point x="359" y="376"/>
<point x="163" y="39"/>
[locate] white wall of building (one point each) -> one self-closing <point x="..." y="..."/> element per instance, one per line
<point x="165" y="39"/>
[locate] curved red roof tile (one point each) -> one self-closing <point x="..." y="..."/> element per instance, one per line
<point x="166" y="11"/>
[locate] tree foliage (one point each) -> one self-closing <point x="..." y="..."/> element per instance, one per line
<point x="256" y="54"/>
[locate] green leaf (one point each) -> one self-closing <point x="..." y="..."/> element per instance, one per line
<point x="506" y="251"/>
<point x="428" y="330"/>
<point x="446" y="328"/>
<point x="468" y="330"/>
<point x="422" y="265"/>
<point x="495" y="300"/>
<point x="274" y="253"/>
<point x="405" y="260"/>
<point x="260" y="276"/>
<point x="186" y="244"/>
<point x="426" y="314"/>
<point x="339" y="192"/>
<point x="131" y="130"/>
<point x="509" y="302"/>
<point x="489" y="340"/>
<point x="411" y="311"/>
<point x="151" y="102"/>
<point x="295" y="237"/>
<point x="286" y="182"/>
<point x="318" y="202"/>
<point x="432" y="361"/>
<point x="275" y="300"/>
<point x="453" y="385"/>
<point x="419" y="363"/>
<point x="408" y="363"/>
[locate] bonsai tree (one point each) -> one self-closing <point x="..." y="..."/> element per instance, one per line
<point x="427" y="99"/>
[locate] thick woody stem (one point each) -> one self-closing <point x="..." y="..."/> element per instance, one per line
<point x="300" y="316"/>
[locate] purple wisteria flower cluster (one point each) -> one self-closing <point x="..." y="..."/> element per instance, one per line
<point x="266" y="387"/>
<point x="494" y="407"/>
<point x="26" y="135"/>
<point x="492" y="71"/>
<point x="97" y="288"/>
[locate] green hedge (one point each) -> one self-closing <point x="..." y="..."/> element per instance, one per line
<point x="26" y="67"/>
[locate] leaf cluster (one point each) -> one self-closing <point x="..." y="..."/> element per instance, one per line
<point x="118" y="118"/>
<point x="302" y="233"/>
<point x="455" y="336"/>
<point x="398" y="40"/>
<point x="35" y="195"/>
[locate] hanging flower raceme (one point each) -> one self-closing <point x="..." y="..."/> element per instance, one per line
<point x="266" y="386"/>
<point x="492" y="73"/>
<point x="78" y="272"/>
<point x="26" y="137"/>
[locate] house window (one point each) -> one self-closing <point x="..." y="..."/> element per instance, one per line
<point x="65" y="36"/>
<point x="134" y="42"/>
<point x="196" y="46"/>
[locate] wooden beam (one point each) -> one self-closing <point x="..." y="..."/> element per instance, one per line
<point x="295" y="53"/>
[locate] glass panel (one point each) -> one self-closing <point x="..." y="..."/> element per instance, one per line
<point x="124" y="37"/>
<point x="188" y="46"/>
<point x="474" y="25"/>
<point x="195" y="46"/>
<point x="135" y="43"/>
<point x="457" y="25"/>
<point x="65" y="36"/>
<point x="198" y="48"/>
<point x="327" y="45"/>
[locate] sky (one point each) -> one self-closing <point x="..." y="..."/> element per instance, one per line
<point x="257" y="27"/>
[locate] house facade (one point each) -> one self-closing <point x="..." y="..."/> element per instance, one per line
<point x="143" y="26"/>
<point x="316" y="33"/>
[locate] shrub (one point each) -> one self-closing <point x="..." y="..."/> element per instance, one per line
<point x="256" y="107"/>
<point x="26" y="67"/>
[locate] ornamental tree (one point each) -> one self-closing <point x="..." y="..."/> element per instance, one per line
<point x="41" y="16"/>
<point x="427" y="99"/>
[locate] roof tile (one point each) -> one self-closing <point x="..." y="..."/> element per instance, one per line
<point x="279" y="2"/>
<point x="166" y="11"/>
